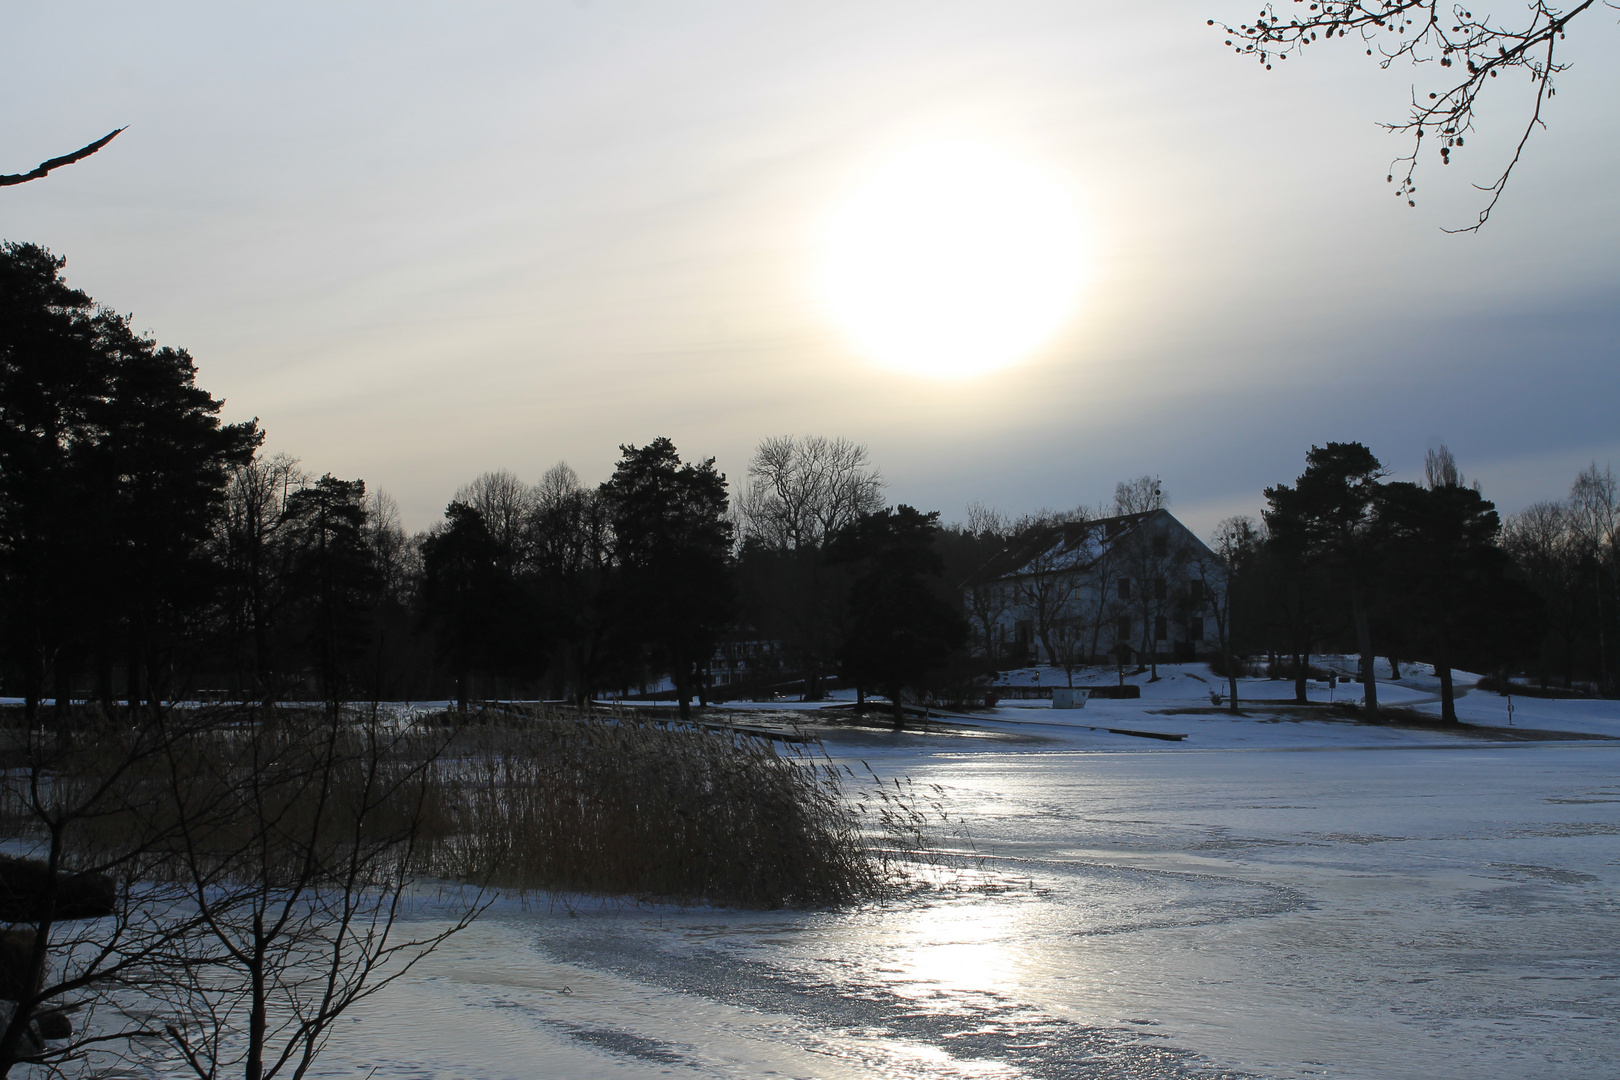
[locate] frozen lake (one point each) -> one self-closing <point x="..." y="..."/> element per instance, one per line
<point x="1262" y="900"/>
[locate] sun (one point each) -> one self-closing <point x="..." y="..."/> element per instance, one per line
<point x="954" y="260"/>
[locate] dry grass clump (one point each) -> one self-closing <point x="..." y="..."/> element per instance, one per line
<point x="619" y="805"/>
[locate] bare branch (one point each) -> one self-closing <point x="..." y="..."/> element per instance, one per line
<point x="57" y="162"/>
<point x="1424" y="32"/>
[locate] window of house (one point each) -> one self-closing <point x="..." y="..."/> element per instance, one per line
<point x="1195" y="628"/>
<point x="1161" y="628"/>
<point x="1124" y="628"/>
<point x="1161" y="546"/>
<point x="1023" y="633"/>
<point x="1195" y="592"/>
<point x="1160" y="589"/>
<point x="1124" y="588"/>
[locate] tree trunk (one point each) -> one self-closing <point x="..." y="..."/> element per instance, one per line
<point x="1364" y="641"/>
<point x="258" y="1017"/>
<point x="1448" y="696"/>
<point x="461" y="691"/>
<point x="132" y="681"/>
<point x="1231" y="681"/>
<point x="1302" y="665"/>
<point x="1394" y="668"/>
<point x="64" y="689"/>
<point x="104" y="679"/>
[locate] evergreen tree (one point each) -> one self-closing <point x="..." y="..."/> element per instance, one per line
<point x="900" y="627"/>
<point x="334" y="580"/>
<point x="673" y="593"/>
<point x="461" y="590"/>
<point x="1450" y="582"/>
<point x="52" y="378"/>
<point x="1323" y="523"/>
<point x="113" y="465"/>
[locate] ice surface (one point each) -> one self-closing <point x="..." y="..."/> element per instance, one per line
<point x="1281" y="895"/>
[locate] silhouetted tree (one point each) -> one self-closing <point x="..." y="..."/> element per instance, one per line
<point x="1453" y="581"/>
<point x="571" y="546"/>
<point x="1323" y="521"/>
<point x="252" y="549"/>
<point x="1542" y="542"/>
<point x="52" y="378"/>
<point x="1139" y="496"/>
<point x="1222" y="575"/>
<point x="900" y="626"/>
<point x="334" y="579"/>
<point x="1594" y="511"/>
<point x="801" y="490"/>
<point x="165" y="461"/>
<point x="673" y="590"/>
<point x="114" y="469"/>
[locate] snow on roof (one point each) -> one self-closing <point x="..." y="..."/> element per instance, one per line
<point x="1074" y="545"/>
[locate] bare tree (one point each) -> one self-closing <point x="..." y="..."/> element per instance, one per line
<point x="570" y="537"/>
<point x="1543" y="543"/>
<point x="1595" y="519"/>
<point x="1234" y="541"/>
<point x="1440" y="470"/>
<point x="297" y="845"/>
<point x="1068" y="638"/>
<point x="388" y="542"/>
<point x="1475" y="49"/>
<point x="802" y="490"/>
<point x="987" y="521"/>
<point x="251" y="545"/>
<point x="507" y="505"/>
<point x="986" y="604"/>
<point x="1139" y="496"/>
<point x="247" y="874"/>
<point x="1155" y="563"/>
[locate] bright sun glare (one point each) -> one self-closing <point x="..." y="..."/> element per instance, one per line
<point x="954" y="260"/>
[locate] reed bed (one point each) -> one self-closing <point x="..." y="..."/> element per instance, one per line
<point x="626" y="806"/>
<point x="554" y="801"/>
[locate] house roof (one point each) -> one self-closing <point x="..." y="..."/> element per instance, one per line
<point x="1069" y="546"/>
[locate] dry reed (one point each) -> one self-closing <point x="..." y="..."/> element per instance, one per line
<point x="540" y="801"/>
<point x="624" y="806"/>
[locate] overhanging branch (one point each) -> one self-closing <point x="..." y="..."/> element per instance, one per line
<point x="57" y="162"/>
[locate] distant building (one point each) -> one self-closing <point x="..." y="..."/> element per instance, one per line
<point x="754" y="661"/>
<point x="1126" y="587"/>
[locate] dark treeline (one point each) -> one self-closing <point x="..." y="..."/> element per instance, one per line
<point x="149" y="552"/>
<point x="1345" y="561"/>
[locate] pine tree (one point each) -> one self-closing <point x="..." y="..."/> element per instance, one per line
<point x="673" y="593"/>
<point x="900" y="627"/>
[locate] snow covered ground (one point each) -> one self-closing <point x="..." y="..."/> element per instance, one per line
<point x="1278" y="895"/>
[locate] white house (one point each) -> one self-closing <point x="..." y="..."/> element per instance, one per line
<point x="1077" y="592"/>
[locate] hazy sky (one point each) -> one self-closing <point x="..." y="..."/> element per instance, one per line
<point x="424" y="241"/>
